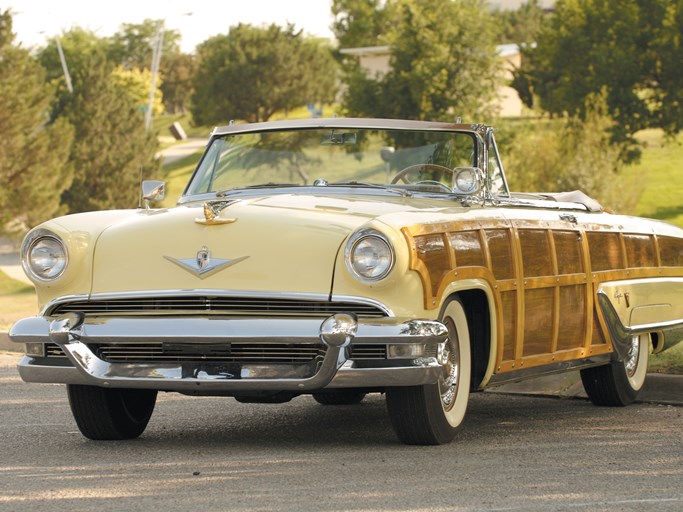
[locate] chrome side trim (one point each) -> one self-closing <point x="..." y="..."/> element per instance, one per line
<point x="621" y="335"/>
<point x="539" y="371"/>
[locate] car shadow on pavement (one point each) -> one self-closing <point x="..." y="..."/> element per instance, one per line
<point x="305" y="423"/>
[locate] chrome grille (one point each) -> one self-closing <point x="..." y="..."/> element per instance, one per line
<point x="54" y="350"/>
<point x="239" y="352"/>
<point x="217" y="305"/>
<point x="368" y="352"/>
<point x="244" y="353"/>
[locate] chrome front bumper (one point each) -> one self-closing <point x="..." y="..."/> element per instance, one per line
<point x="73" y="333"/>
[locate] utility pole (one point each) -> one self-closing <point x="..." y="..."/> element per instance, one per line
<point x="65" y="68"/>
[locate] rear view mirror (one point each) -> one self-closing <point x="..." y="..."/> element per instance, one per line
<point x="338" y="139"/>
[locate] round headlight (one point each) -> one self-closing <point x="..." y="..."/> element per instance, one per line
<point x="369" y="255"/>
<point x="46" y="258"/>
<point x="467" y="180"/>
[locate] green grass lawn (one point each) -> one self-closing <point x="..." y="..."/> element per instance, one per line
<point x="17" y="300"/>
<point x="662" y="179"/>
<point x="670" y="361"/>
<point x="176" y="175"/>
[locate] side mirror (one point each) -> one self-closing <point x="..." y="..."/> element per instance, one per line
<point x="468" y="180"/>
<point x="153" y="190"/>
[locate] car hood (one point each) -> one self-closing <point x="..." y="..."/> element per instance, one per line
<point x="280" y="243"/>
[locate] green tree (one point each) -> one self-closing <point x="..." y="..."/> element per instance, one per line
<point x="177" y="70"/>
<point x="251" y="73"/>
<point x="359" y="23"/>
<point x="132" y="45"/>
<point x="137" y="84"/>
<point x="570" y="153"/>
<point x="521" y="25"/>
<point x="111" y="146"/>
<point x="631" y="50"/>
<point x="33" y="152"/>
<point x="443" y="64"/>
<point x="78" y="45"/>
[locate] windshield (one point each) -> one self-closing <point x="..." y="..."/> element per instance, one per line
<point x="414" y="160"/>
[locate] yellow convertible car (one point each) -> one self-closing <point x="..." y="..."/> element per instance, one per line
<point x="342" y="257"/>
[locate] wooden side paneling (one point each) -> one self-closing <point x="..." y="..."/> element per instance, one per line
<point x="468" y="249"/>
<point x="536" y="256"/>
<point x="500" y="250"/>
<point x="640" y="251"/>
<point x="568" y="250"/>
<point x="605" y="250"/>
<point x="543" y="276"/>
<point x="597" y="338"/>
<point x="573" y="318"/>
<point x="431" y="250"/>
<point x="671" y="251"/>
<point x="538" y="321"/>
<point x="509" y="303"/>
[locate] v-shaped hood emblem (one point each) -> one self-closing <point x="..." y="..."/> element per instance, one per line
<point x="203" y="265"/>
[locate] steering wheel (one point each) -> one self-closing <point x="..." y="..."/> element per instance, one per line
<point x="402" y="175"/>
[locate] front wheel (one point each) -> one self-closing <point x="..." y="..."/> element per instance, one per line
<point x="431" y="414"/>
<point x="617" y="384"/>
<point x="111" y="414"/>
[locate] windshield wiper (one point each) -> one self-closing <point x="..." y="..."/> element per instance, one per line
<point x="362" y="184"/>
<point x="224" y="193"/>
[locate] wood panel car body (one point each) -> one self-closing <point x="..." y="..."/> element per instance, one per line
<point x="340" y="257"/>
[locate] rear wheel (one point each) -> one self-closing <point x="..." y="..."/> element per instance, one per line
<point x="346" y="397"/>
<point x="431" y="414"/>
<point x="618" y="383"/>
<point x="111" y="414"/>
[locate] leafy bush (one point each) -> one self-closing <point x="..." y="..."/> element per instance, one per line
<point x="568" y="153"/>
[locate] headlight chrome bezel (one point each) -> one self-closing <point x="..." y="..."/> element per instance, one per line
<point x="29" y="245"/>
<point x="373" y="236"/>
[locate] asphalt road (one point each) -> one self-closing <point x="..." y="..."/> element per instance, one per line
<point x="514" y="453"/>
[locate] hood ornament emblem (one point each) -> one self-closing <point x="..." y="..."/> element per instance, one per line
<point x="203" y="265"/>
<point x="212" y="211"/>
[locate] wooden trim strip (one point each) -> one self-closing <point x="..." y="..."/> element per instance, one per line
<point x="519" y="272"/>
<point x="556" y="294"/>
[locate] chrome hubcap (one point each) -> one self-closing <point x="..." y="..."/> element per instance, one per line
<point x="631" y="362"/>
<point x="449" y="357"/>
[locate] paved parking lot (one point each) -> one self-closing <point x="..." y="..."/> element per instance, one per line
<point x="515" y="453"/>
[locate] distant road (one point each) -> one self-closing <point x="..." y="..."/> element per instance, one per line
<point x="179" y="151"/>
